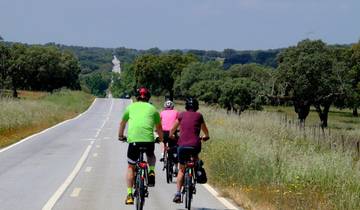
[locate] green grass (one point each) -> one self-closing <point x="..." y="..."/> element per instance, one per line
<point x="256" y="155"/>
<point x="35" y="111"/>
<point x="264" y="163"/>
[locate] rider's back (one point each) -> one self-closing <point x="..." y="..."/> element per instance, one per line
<point x="142" y="118"/>
<point x="190" y="126"/>
<point x="168" y="118"/>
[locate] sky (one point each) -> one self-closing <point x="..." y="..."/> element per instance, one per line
<point x="180" y="24"/>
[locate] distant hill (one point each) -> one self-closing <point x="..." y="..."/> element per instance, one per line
<point x="99" y="59"/>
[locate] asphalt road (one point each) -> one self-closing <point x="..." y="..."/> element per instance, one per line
<point x="79" y="164"/>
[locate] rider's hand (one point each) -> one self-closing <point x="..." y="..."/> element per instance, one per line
<point x="172" y="136"/>
<point x="205" y="138"/>
<point x="157" y="140"/>
<point x="122" y="138"/>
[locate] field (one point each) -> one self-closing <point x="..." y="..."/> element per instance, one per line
<point x="264" y="160"/>
<point x="35" y="111"/>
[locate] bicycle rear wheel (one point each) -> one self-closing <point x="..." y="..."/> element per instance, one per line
<point x="140" y="192"/>
<point x="188" y="191"/>
<point x="169" y="171"/>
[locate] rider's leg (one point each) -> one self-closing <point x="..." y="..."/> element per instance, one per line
<point x="130" y="178"/>
<point x="180" y="178"/>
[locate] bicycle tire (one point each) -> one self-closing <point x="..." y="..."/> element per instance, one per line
<point x="188" y="191"/>
<point x="140" y="189"/>
<point x="169" y="172"/>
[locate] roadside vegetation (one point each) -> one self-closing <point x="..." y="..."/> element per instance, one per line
<point x="264" y="163"/>
<point x="35" y="111"/>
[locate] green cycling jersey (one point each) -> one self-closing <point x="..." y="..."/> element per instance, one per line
<point x="142" y="118"/>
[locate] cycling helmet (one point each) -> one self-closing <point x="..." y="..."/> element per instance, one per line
<point x="191" y="104"/>
<point x="169" y="104"/>
<point x="143" y="94"/>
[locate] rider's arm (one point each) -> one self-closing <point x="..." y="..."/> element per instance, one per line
<point x="205" y="130"/>
<point x="173" y="129"/>
<point x="159" y="131"/>
<point x="122" y="128"/>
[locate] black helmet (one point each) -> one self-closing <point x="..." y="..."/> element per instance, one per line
<point x="191" y="103"/>
<point x="143" y="94"/>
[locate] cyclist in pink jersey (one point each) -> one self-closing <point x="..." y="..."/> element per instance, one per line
<point x="168" y="118"/>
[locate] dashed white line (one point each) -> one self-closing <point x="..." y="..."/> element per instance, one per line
<point x="97" y="146"/>
<point x="95" y="154"/>
<point x="55" y="197"/>
<point x="88" y="169"/>
<point x="76" y="192"/>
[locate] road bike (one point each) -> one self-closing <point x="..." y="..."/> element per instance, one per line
<point x="141" y="180"/>
<point x="190" y="178"/>
<point x="169" y="163"/>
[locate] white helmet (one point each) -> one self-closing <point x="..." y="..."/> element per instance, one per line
<point x="169" y="104"/>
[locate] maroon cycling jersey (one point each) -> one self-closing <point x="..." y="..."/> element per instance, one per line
<point x="190" y="126"/>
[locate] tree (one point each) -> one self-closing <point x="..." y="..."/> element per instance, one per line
<point x="196" y="72"/>
<point x="310" y="77"/>
<point x="17" y="66"/>
<point x="355" y="78"/>
<point x="163" y="69"/>
<point x="4" y="65"/>
<point x="239" y="94"/>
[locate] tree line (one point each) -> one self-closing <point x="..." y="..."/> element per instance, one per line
<point x="311" y="73"/>
<point x="42" y="68"/>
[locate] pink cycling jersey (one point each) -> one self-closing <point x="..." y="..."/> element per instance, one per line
<point x="168" y="118"/>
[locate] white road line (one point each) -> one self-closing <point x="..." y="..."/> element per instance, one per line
<point x="55" y="197"/>
<point x="76" y="192"/>
<point x="57" y="125"/>
<point x="88" y="139"/>
<point x="92" y="142"/>
<point x="88" y="169"/>
<point x="95" y="154"/>
<point x="221" y="199"/>
<point x="97" y="146"/>
<point x="106" y="137"/>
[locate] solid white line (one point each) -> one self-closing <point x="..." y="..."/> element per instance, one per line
<point x="217" y="196"/>
<point x="88" y="169"/>
<point x="76" y="192"/>
<point x="55" y="197"/>
<point x="36" y="134"/>
<point x="92" y="142"/>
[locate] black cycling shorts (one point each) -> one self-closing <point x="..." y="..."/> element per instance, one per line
<point x="185" y="152"/>
<point x="133" y="153"/>
<point x="168" y="140"/>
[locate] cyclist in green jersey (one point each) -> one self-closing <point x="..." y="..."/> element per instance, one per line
<point x="141" y="117"/>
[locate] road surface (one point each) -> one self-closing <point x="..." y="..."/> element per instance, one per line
<point x="79" y="164"/>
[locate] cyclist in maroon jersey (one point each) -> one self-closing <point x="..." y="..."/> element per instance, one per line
<point x="191" y="123"/>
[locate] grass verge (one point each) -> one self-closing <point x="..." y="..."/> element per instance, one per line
<point x="36" y="111"/>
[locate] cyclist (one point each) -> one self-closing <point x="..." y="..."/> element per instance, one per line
<point x="168" y="117"/>
<point x="190" y="122"/>
<point x="142" y="118"/>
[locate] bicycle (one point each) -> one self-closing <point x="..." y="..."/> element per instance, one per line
<point x="190" y="178"/>
<point x="169" y="163"/>
<point x="140" y="178"/>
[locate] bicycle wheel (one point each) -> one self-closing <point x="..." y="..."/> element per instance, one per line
<point x="169" y="171"/>
<point x="140" y="192"/>
<point x="188" y="191"/>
